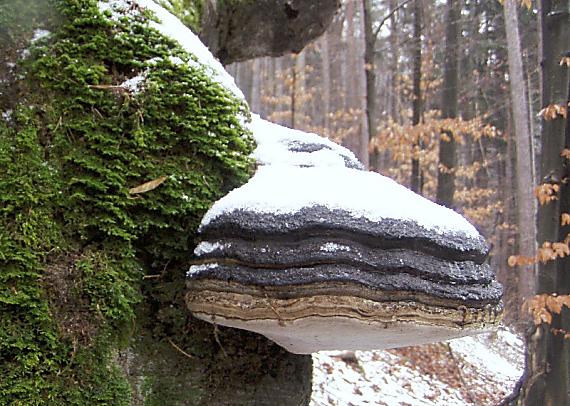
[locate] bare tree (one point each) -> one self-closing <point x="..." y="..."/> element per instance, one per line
<point x="548" y="352"/>
<point x="526" y="208"/>
<point x="447" y="158"/>
<point x="416" y="178"/>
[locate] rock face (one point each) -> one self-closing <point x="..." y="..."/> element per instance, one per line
<point x="239" y="30"/>
<point x="313" y="246"/>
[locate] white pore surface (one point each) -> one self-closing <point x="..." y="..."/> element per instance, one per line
<point x="312" y="334"/>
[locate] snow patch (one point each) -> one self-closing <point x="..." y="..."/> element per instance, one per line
<point x="199" y="268"/>
<point x="334" y="247"/>
<point x="206" y="247"/>
<point x="494" y="360"/>
<point x="400" y="378"/>
<point x="7" y="115"/>
<point x="284" y="189"/>
<point x="39" y="34"/>
<point x="116" y="8"/>
<point x="273" y="141"/>
<point x="134" y="84"/>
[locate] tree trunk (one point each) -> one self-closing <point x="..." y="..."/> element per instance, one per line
<point x="447" y="154"/>
<point x="300" y="91"/>
<point x="293" y="93"/>
<point x="395" y="112"/>
<point x="547" y="375"/>
<point x="526" y="207"/>
<point x="364" y="131"/>
<point x="370" y="71"/>
<point x="416" y="178"/>
<point x="326" y="83"/>
<point x="256" y="73"/>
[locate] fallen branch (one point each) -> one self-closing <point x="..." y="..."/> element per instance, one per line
<point x="178" y="348"/>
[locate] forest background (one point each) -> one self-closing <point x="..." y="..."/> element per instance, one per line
<point x="465" y="102"/>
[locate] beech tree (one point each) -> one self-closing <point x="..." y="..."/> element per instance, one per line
<point x="548" y="344"/>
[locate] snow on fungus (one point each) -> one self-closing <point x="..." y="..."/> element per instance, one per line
<point x="310" y="246"/>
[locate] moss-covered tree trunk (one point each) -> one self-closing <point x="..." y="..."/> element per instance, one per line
<point x="92" y="273"/>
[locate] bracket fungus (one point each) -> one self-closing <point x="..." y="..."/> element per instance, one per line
<point x="317" y="254"/>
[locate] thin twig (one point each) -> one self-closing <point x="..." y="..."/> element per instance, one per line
<point x="388" y="16"/>
<point x="218" y="340"/>
<point x="461" y="378"/>
<point x="178" y="348"/>
<point x="107" y="87"/>
<point x="515" y="394"/>
<point x="160" y="275"/>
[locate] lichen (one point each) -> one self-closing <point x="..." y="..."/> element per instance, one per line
<point x="79" y="254"/>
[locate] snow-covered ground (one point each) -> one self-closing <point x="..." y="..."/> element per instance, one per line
<point x="479" y="370"/>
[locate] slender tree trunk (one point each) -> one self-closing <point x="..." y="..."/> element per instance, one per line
<point x="395" y="47"/>
<point x="299" y="91"/>
<point x="547" y="375"/>
<point x="362" y="94"/>
<point x="326" y="83"/>
<point x="256" y="85"/>
<point x="351" y="55"/>
<point x="293" y="92"/>
<point x="447" y="154"/>
<point x="369" y="69"/>
<point x="526" y="208"/>
<point x="416" y="178"/>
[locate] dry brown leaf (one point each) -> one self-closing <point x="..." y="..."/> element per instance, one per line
<point x="565" y="153"/>
<point x="147" y="186"/>
<point x="545" y="254"/>
<point x="565" y="219"/>
<point x="560" y="249"/>
<point x="552" y="304"/>
<point x="565" y="61"/>
<point x="553" y="111"/>
<point x="546" y="192"/>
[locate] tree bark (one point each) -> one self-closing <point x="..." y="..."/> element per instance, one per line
<point x="526" y="207"/>
<point x="395" y="47"/>
<point x="364" y="130"/>
<point x="326" y="83"/>
<point x="300" y="91"/>
<point x="256" y="74"/>
<point x="416" y="177"/>
<point x="548" y="360"/>
<point x="447" y="154"/>
<point x="369" y="71"/>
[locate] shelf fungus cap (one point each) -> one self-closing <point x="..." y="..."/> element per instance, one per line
<point x="317" y="254"/>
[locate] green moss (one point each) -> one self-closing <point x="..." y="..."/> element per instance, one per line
<point x="188" y="11"/>
<point x="74" y="243"/>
